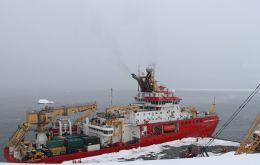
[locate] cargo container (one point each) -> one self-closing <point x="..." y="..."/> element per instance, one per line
<point x="68" y="136"/>
<point x="55" y="143"/>
<point x="93" y="147"/>
<point x="46" y="152"/>
<point x="74" y="143"/>
<point x="57" y="138"/>
<point x="70" y="150"/>
<point x="58" y="150"/>
<point x="91" y="140"/>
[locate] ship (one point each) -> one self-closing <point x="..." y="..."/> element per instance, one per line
<point x="154" y="117"/>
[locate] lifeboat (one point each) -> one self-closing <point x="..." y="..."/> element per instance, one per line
<point x="169" y="128"/>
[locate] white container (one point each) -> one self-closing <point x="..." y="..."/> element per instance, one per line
<point x="11" y="150"/>
<point x="93" y="147"/>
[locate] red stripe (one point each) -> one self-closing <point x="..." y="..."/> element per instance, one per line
<point x="162" y="98"/>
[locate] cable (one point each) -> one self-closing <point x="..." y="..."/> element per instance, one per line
<point x="238" y="110"/>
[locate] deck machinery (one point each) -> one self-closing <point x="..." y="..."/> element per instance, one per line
<point x="41" y="119"/>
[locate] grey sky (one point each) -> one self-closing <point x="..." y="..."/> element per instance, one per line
<point x="96" y="44"/>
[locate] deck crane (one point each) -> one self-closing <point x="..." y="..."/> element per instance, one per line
<point x="238" y="110"/>
<point x="120" y="109"/>
<point x="43" y="117"/>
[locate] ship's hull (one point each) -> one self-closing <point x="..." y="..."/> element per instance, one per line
<point x="196" y="127"/>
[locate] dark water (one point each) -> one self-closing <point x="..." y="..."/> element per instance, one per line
<point x="13" y="106"/>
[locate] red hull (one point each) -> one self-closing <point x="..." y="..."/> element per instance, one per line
<point x="197" y="127"/>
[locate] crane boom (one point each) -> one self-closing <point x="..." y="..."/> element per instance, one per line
<point x="82" y="117"/>
<point x="40" y="119"/>
<point x="121" y="109"/>
<point x="18" y="135"/>
<point x="67" y="110"/>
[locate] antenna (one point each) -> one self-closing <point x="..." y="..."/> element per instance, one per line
<point x="138" y="87"/>
<point x="139" y="70"/>
<point x="111" y="97"/>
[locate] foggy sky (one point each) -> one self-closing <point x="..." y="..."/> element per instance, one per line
<point x="83" y="44"/>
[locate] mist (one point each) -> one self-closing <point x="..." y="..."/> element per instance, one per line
<point x="96" y="44"/>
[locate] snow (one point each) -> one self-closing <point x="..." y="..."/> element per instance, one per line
<point x="228" y="158"/>
<point x="116" y="158"/>
<point x="213" y="160"/>
<point x="153" y="149"/>
<point x="45" y="101"/>
<point x="257" y="132"/>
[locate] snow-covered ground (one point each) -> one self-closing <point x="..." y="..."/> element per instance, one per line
<point x="153" y="150"/>
<point x="227" y="158"/>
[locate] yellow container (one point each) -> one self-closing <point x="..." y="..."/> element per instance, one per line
<point x="58" y="150"/>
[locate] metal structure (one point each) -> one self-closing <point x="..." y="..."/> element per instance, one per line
<point x="43" y="117"/>
<point x="147" y="83"/>
<point x="252" y="139"/>
<point x="121" y="109"/>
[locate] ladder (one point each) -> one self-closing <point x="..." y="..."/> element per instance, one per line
<point x="252" y="139"/>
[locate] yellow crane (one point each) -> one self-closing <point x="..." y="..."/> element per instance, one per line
<point x="42" y="118"/>
<point x="252" y="139"/>
<point x="121" y="109"/>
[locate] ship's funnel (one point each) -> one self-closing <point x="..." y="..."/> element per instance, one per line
<point x="147" y="83"/>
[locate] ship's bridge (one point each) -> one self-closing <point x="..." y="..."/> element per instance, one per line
<point x="102" y="130"/>
<point x="158" y="98"/>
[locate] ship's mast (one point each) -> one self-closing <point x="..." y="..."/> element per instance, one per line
<point x="138" y="86"/>
<point x="111" y="95"/>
